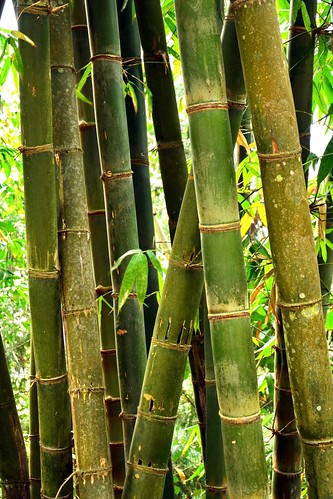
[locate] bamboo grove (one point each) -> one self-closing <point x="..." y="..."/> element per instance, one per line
<point x="249" y="270"/>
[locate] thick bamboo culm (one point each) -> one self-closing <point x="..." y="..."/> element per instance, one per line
<point x="291" y="237"/>
<point x="225" y="279"/>
<point x="42" y="252"/>
<point x="86" y="385"/>
<point x="99" y="243"/>
<point x="119" y="198"/>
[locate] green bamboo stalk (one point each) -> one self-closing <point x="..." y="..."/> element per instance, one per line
<point x="225" y="277"/>
<point x="216" y="486"/>
<point x="119" y="196"/>
<point x="97" y="225"/>
<point x="14" y="475"/>
<point x="287" y="452"/>
<point x="42" y="251"/>
<point x="93" y="465"/>
<point x="301" y="46"/>
<point x="164" y="106"/>
<point x="326" y="267"/>
<point x="34" y="454"/>
<point x="293" y="251"/>
<point x="157" y="412"/>
<point x="137" y="132"/>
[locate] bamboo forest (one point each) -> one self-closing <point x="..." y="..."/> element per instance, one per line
<point x="166" y="249"/>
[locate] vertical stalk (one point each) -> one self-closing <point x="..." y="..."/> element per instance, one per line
<point x="137" y="133"/>
<point x="42" y="251"/>
<point x="164" y="106"/>
<point x="34" y="454"/>
<point x="119" y="197"/>
<point x="290" y="231"/>
<point x="93" y="465"/>
<point x="14" y="475"/>
<point x="287" y="452"/>
<point x="301" y="46"/>
<point x="225" y="279"/>
<point x="99" y="243"/>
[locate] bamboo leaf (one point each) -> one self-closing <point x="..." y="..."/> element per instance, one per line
<point x="121" y="258"/>
<point x="246" y="222"/>
<point x="82" y="97"/>
<point x="296" y="7"/>
<point x="5" y="70"/>
<point x="326" y="163"/>
<point x="241" y="141"/>
<point x="85" y="76"/>
<point x="128" y="281"/>
<point x="141" y="269"/>
<point x="17" y="60"/>
<point x="306" y="17"/>
<point x="329" y="320"/>
<point x="155" y="261"/>
<point x="22" y="36"/>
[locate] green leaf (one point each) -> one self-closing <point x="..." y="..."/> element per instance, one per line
<point x="296" y="7"/>
<point x="5" y="70"/>
<point x="323" y="250"/>
<point x="85" y="76"/>
<point x="155" y="261"/>
<point x="127" y="283"/>
<point x="22" y="36"/>
<point x="306" y="18"/>
<point x="329" y="320"/>
<point x="82" y="97"/>
<point x="141" y="269"/>
<point x="121" y="258"/>
<point x="326" y="163"/>
<point x="17" y="60"/>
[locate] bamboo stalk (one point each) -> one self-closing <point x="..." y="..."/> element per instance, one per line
<point x="164" y="106"/>
<point x="14" y="475"/>
<point x="86" y="387"/>
<point x="225" y="278"/>
<point x="97" y="225"/>
<point x="290" y="231"/>
<point x="42" y="251"/>
<point x="34" y="454"/>
<point x="119" y="197"/>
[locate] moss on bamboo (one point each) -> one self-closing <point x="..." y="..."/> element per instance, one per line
<point x="290" y="231"/>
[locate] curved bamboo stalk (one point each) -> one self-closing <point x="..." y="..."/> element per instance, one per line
<point x="225" y="279"/>
<point x="119" y="197"/>
<point x="290" y="231"/>
<point x="164" y="106"/>
<point x="42" y="251"/>
<point x="99" y="243"/>
<point x="86" y="387"/>
<point x="157" y="412"/>
<point x="14" y="475"/>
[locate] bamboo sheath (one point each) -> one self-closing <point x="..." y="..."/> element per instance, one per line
<point x="86" y="384"/>
<point x="42" y="249"/>
<point x="219" y="225"/>
<point x="97" y="225"/>
<point x="291" y="237"/>
<point x="119" y="198"/>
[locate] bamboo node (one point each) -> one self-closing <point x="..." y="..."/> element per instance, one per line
<point x="236" y="104"/>
<point x="177" y="144"/>
<point x="127" y="416"/>
<point x="325" y="442"/>
<point x="303" y="304"/>
<point x="106" y="57"/>
<point x="210" y="382"/>
<point x="7" y="404"/>
<point x="206" y="106"/>
<point x="222" y="316"/>
<point x="75" y="27"/>
<point x="38" y="8"/>
<point x="117" y="444"/>
<point x="51" y="381"/>
<point x="289" y="475"/>
<point x="67" y="496"/>
<point x="43" y="274"/>
<point x="67" y="150"/>
<point x="96" y="212"/>
<point x="101" y="472"/>
<point x="65" y="67"/>
<point x="28" y="151"/>
<point x="282" y="389"/>
<point x="279" y="156"/>
<point x="55" y="450"/>
<point x="213" y="229"/>
<point x="108" y="351"/>
<point x="171" y="346"/>
<point x="216" y="488"/>
<point x="79" y="311"/>
<point x="132" y="61"/>
<point x="77" y="391"/>
<point x="147" y="469"/>
<point x="108" y="175"/>
<point x="281" y="434"/>
<point x="156" y="417"/>
<point x="139" y="161"/>
<point x="85" y="124"/>
<point x="240" y="421"/>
